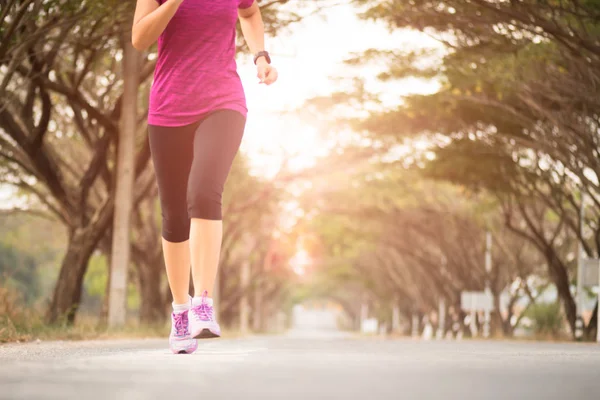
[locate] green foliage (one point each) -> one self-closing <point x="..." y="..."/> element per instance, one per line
<point x="133" y="296"/>
<point x="30" y="249"/>
<point x="18" y="270"/>
<point x="96" y="277"/>
<point x="547" y="319"/>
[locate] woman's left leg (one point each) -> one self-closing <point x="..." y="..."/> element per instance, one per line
<point x="216" y="143"/>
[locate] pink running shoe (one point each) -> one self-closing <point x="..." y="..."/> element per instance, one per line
<point x="180" y="340"/>
<point x="202" y="320"/>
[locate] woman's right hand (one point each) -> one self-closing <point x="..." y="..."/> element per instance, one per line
<point x="150" y="20"/>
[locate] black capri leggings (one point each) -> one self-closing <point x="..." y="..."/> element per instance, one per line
<point x="191" y="164"/>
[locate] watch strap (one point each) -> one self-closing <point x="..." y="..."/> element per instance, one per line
<point x="264" y="54"/>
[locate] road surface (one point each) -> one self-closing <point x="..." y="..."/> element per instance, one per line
<point x="300" y="367"/>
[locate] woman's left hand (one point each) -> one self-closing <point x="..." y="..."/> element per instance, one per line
<point x="266" y="72"/>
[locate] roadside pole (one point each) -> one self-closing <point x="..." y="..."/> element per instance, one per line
<point x="415" y="326"/>
<point x="579" y="294"/>
<point x="473" y="325"/>
<point x="441" y="331"/>
<point x="488" y="291"/>
<point x="395" y="316"/>
<point x="441" y="320"/>
<point x="124" y="185"/>
<point x="364" y="313"/>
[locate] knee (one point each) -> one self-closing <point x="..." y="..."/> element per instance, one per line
<point x="205" y="201"/>
<point x="176" y="226"/>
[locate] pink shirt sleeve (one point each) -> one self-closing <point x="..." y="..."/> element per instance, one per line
<point x="245" y="3"/>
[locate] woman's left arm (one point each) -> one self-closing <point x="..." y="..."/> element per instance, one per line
<point x="254" y="33"/>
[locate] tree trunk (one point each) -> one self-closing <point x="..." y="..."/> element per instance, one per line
<point x="244" y="300"/>
<point x="152" y="308"/>
<point x="257" y="311"/>
<point x="105" y="245"/>
<point x="496" y="321"/>
<point x="67" y="292"/>
<point x="559" y="275"/>
<point x="121" y="246"/>
<point x="395" y="316"/>
<point x="507" y="328"/>
<point x="593" y="325"/>
<point x="464" y="328"/>
<point x="415" y="325"/>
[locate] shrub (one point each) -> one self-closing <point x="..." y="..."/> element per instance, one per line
<point x="16" y="320"/>
<point x="547" y="319"/>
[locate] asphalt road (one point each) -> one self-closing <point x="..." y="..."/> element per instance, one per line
<point x="300" y="367"/>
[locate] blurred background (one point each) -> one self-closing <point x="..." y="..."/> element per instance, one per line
<point x="425" y="168"/>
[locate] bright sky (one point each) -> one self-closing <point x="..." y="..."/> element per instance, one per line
<point x="307" y="59"/>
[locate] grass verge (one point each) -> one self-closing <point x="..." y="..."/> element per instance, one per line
<point x="20" y="323"/>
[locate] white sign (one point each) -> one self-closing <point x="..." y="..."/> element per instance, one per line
<point x="476" y="301"/>
<point x="369" y="325"/>
<point x="591" y="272"/>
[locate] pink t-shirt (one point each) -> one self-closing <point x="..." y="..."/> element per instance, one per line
<point x="196" y="72"/>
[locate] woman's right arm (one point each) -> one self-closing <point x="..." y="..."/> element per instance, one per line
<point x="150" y="21"/>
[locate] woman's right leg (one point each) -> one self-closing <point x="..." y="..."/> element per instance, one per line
<point x="172" y="154"/>
<point x="177" y="262"/>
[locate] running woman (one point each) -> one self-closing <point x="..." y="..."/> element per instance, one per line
<point x="197" y="113"/>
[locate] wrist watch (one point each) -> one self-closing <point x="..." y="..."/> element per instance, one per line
<point x="264" y="54"/>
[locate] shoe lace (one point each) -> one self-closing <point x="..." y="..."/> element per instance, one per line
<point x="204" y="311"/>
<point x="181" y="324"/>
